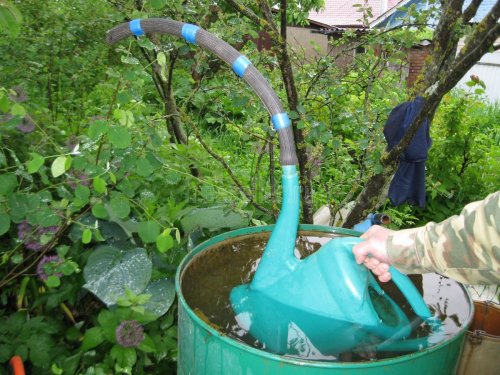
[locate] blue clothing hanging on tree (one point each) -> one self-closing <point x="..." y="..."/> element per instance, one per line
<point x="408" y="183"/>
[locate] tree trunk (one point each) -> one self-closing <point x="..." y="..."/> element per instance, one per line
<point x="172" y="114"/>
<point x="443" y="71"/>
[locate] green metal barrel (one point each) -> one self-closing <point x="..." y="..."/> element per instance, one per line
<point x="205" y="350"/>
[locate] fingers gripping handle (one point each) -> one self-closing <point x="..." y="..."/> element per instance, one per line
<point x="239" y="63"/>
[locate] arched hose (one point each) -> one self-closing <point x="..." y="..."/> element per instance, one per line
<point x="240" y="64"/>
<point x="281" y="244"/>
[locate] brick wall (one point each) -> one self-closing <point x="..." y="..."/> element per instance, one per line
<point x="416" y="60"/>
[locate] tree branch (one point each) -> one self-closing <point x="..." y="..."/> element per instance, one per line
<point x="471" y="10"/>
<point x="247" y="12"/>
<point x="225" y="166"/>
<point x="154" y="72"/>
<point x="255" y="173"/>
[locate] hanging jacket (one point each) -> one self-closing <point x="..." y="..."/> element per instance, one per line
<point x="408" y="183"/>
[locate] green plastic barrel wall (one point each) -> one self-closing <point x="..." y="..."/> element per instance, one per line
<point x="203" y="350"/>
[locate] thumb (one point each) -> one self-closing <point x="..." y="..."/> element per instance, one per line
<point x="361" y="252"/>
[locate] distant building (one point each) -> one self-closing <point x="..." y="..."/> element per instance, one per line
<point x="337" y="16"/>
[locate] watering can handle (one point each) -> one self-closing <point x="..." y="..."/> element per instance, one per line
<point x="411" y="293"/>
<point x="402" y="281"/>
<point x="241" y="66"/>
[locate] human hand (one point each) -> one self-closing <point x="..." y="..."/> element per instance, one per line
<point x="373" y="252"/>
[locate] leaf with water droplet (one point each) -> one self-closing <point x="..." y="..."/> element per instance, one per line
<point x="109" y="271"/>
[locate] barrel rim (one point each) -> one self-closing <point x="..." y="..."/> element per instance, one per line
<point x="295" y="360"/>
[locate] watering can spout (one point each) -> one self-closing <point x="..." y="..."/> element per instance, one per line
<point x="278" y="259"/>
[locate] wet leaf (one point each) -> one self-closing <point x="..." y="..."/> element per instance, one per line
<point x="120" y="206"/>
<point x="162" y="296"/>
<point x="109" y="271"/>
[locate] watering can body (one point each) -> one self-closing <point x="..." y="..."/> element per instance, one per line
<point x="324" y="304"/>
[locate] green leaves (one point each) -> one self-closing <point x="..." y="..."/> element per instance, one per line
<point x="35" y="163"/>
<point x="99" y="211"/>
<point x="164" y="241"/>
<point x="119" y="137"/>
<point x="60" y="165"/>
<point x="123" y="277"/>
<point x="131" y="60"/>
<point x="144" y="167"/>
<point x="82" y="195"/>
<point x="4" y="223"/>
<point x="39" y="350"/>
<point x="162" y="293"/>
<point x="86" y="236"/>
<point x="93" y="337"/>
<point x="99" y="185"/>
<point x="120" y="206"/>
<point x="215" y="218"/>
<point x="125" y="357"/>
<point x="8" y="183"/>
<point x="109" y="271"/>
<point x="18" y="110"/>
<point x="97" y="128"/>
<point x="10" y="19"/>
<point x="149" y="231"/>
<point x="125" y="118"/>
<point x="53" y="281"/>
<point x="158" y="4"/>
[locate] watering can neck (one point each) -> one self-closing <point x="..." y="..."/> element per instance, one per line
<point x="278" y="259"/>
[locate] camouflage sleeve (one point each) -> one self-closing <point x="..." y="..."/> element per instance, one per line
<point x="464" y="247"/>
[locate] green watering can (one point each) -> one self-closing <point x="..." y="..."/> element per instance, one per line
<point x="326" y="301"/>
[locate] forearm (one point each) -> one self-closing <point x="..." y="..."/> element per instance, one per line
<point x="465" y="247"/>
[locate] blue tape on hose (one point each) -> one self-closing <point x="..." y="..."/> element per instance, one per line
<point x="240" y="65"/>
<point x="280" y="121"/>
<point x="189" y="32"/>
<point x="135" y="27"/>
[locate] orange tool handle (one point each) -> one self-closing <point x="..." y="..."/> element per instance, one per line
<point x="17" y="365"/>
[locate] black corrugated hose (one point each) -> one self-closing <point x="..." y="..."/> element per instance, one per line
<point x="240" y="64"/>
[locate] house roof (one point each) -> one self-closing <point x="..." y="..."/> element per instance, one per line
<point x="343" y="13"/>
<point x="395" y="16"/>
